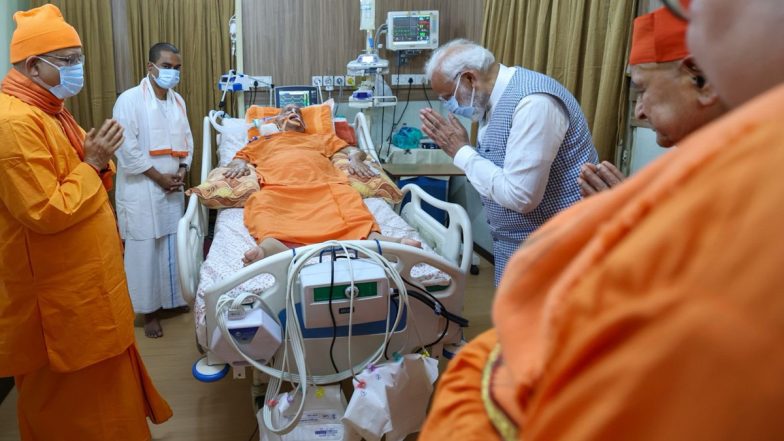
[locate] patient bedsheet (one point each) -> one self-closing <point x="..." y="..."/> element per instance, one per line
<point x="232" y="239"/>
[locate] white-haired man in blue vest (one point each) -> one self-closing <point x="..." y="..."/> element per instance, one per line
<point x="533" y="138"/>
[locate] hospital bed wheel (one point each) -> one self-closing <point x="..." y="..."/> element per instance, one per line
<point x="474" y="269"/>
<point x="206" y="373"/>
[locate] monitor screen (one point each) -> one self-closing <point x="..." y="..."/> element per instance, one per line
<point x="299" y="95"/>
<point x="412" y="30"/>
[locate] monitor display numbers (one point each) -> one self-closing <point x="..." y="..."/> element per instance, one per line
<point x="411" y="29"/>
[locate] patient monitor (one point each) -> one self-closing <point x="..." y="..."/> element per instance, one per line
<point x="299" y="95"/>
<point x="368" y="295"/>
<point x="412" y="30"/>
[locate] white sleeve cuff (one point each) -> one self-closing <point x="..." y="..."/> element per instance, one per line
<point x="463" y="156"/>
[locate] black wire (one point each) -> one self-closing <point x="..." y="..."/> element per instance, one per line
<point x="332" y="315"/>
<point x="337" y="101"/>
<point x="408" y="100"/>
<point x="386" y="345"/>
<point x="381" y="134"/>
<point x="440" y="337"/>
<point x="423" y="295"/>
<point x="395" y="124"/>
<point x="254" y="431"/>
<point x="424" y="89"/>
<point x="394" y="112"/>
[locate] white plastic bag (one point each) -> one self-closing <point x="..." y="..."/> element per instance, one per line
<point x="392" y="398"/>
<point x="321" y="420"/>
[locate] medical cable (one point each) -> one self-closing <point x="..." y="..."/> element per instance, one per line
<point x="382" y="131"/>
<point x="408" y="100"/>
<point x="232" y="78"/>
<point x="227" y="302"/>
<point x="293" y="334"/>
<point x="332" y="315"/>
<point x="424" y="90"/>
<point x="394" y="115"/>
<point x="423" y="295"/>
<point x="254" y="431"/>
<point x="402" y="114"/>
<point x="381" y="29"/>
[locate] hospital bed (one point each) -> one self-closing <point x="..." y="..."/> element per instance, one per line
<point x="437" y="272"/>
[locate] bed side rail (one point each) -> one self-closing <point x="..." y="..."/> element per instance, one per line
<point x="192" y="227"/>
<point x="455" y="242"/>
<point x="364" y="141"/>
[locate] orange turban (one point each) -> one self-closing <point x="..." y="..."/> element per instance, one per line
<point x="41" y="30"/>
<point x="658" y="37"/>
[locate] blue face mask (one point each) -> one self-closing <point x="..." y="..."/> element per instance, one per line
<point x="71" y="80"/>
<point x="454" y="107"/>
<point x="167" y="78"/>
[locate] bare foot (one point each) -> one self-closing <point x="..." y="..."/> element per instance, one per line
<point x="152" y="326"/>
<point x="252" y="255"/>
<point x="411" y="242"/>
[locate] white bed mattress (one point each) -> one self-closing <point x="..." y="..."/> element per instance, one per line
<point x="232" y="239"/>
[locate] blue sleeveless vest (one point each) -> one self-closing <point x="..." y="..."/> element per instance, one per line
<point x="510" y="228"/>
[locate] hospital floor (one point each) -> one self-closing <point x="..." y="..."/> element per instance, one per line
<point x="223" y="411"/>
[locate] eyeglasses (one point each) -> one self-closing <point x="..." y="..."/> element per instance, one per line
<point x="71" y="60"/>
<point x="680" y="8"/>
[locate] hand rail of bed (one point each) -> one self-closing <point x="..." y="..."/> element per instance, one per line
<point x="364" y="141"/>
<point x="453" y="242"/>
<point x="192" y="227"/>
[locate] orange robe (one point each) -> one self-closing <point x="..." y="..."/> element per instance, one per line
<point x="304" y="199"/>
<point x="64" y="305"/>
<point x="655" y="311"/>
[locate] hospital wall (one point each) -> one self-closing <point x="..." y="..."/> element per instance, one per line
<point x="295" y="39"/>
<point x="7" y="26"/>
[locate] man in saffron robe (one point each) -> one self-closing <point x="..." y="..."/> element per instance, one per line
<point x="303" y="199"/>
<point x="66" y="322"/>
<point x="653" y="311"/>
<point x="673" y="94"/>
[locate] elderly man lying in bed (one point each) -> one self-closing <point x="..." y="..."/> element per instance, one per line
<point x="304" y="199"/>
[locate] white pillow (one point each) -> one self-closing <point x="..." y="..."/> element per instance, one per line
<point x="232" y="137"/>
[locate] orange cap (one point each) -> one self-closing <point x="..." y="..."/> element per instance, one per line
<point x="658" y="37"/>
<point x="41" y="30"/>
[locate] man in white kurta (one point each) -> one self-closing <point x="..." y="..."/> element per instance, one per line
<point x="151" y="168"/>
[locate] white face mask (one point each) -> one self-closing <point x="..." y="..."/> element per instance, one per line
<point x="71" y="80"/>
<point x="167" y="78"/>
<point x="453" y="106"/>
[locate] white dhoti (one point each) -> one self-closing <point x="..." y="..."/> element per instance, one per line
<point x="157" y="136"/>
<point x="151" y="268"/>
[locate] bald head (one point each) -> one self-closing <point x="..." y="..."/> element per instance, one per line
<point x="739" y="45"/>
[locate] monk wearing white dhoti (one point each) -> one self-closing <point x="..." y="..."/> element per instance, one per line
<point x="152" y="162"/>
<point x="66" y="323"/>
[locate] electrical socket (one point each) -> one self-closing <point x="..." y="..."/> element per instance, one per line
<point x="315" y="81"/>
<point x="339" y="81"/>
<point x="351" y="81"/>
<point x="264" y="81"/>
<point x="402" y="80"/>
<point x="326" y="80"/>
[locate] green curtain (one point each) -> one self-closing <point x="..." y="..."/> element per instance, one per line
<point x="581" y="43"/>
<point x="200" y="29"/>
<point x="93" y="20"/>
